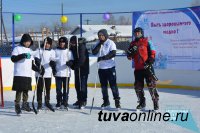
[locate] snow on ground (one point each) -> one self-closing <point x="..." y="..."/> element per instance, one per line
<point x="80" y="121"/>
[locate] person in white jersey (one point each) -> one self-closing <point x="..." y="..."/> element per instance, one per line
<point x="106" y="50"/>
<point x="46" y="58"/>
<point x="63" y="74"/>
<point x="23" y="65"/>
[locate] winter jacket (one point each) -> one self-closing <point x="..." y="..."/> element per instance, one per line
<point x="81" y="59"/>
<point x="145" y="50"/>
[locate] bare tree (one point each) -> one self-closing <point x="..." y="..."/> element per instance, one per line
<point x="195" y="3"/>
<point x="128" y="21"/>
<point x="55" y="27"/>
<point x="124" y="20"/>
<point x="111" y="21"/>
<point x="43" y="25"/>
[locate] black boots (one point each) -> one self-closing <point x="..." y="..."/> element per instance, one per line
<point x="26" y="107"/>
<point x="65" y="104"/>
<point x="58" y="105"/>
<point x="76" y="104"/>
<point x="39" y="106"/>
<point x="155" y="105"/>
<point x="155" y="97"/>
<point x="82" y="104"/>
<point x="117" y="103"/>
<point x="17" y="108"/>
<point x="106" y="103"/>
<point x="142" y="104"/>
<point x="49" y="106"/>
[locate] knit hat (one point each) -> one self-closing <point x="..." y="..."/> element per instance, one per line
<point x="104" y="32"/>
<point x="48" y="40"/>
<point x="81" y="40"/>
<point x="26" y="38"/>
<point x="139" y="29"/>
<point x="63" y="39"/>
<point x="73" y="39"/>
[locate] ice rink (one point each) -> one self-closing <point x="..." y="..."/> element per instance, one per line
<point x="80" y="121"/>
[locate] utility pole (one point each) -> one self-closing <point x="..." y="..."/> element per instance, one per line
<point x="62" y="30"/>
<point x="1" y="9"/>
<point x="87" y="21"/>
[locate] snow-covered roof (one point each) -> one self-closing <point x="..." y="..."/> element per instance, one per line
<point x="118" y="30"/>
<point x="90" y="32"/>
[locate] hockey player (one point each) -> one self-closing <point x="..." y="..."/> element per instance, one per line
<point x="63" y="74"/>
<point x="23" y="65"/>
<point x="142" y="52"/>
<point x="106" y="50"/>
<point x="81" y="69"/>
<point x="45" y="58"/>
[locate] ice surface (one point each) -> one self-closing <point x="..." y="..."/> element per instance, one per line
<point x="80" y="121"/>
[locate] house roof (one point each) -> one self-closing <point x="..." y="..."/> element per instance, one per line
<point x="92" y="30"/>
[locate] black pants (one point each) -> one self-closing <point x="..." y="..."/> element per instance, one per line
<point x="105" y="76"/>
<point x="81" y="87"/>
<point x="61" y="83"/>
<point x="140" y="76"/>
<point x="40" y="88"/>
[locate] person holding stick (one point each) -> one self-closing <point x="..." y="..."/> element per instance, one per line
<point x="46" y="58"/>
<point x="106" y="49"/>
<point x="81" y="69"/>
<point x="143" y="52"/>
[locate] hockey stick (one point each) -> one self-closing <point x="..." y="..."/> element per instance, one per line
<point x="44" y="84"/>
<point x="79" y="73"/>
<point x="152" y="75"/>
<point x="95" y="85"/>
<point x="67" y="78"/>
<point x="33" y="105"/>
<point x="67" y="70"/>
<point x="79" y="70"/>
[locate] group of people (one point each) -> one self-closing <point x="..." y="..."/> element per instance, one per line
<point x="73" y="54"/>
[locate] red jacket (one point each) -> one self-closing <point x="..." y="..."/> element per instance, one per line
<point x="145" y="50"/>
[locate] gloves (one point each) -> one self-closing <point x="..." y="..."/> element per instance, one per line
<point x="100" y="58"/>
<point x="150" y="72"/>
<point x="27" y="55"/>
<point x="37" y="61"/>
<point x="41" y="71"/>
<point x="132" y="50"/>
<point x="150" y="61"/>
<point x="22" y="56"/>
<point x="52" y="64"/>
<point x="147" y="66"/>
<point x="54" y="72"/>
<point x="69" y="63"/>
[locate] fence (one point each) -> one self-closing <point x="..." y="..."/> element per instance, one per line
<point x="40" y="25"/>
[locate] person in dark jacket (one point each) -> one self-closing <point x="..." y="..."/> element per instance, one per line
<point x="81" y="69"/>
<point x="23" y="65"/>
